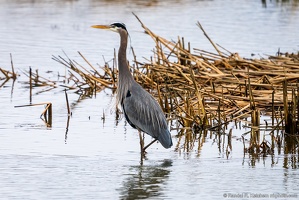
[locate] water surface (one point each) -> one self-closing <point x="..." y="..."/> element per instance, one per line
<point x="99" y="159"/>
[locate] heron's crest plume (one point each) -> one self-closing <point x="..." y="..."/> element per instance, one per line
<point x="119" y="25"/>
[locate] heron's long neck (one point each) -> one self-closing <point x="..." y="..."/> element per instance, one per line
<point x="124" y="72"/>
<point x="125" y="77"/>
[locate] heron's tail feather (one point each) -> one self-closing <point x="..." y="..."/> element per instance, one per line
<point x="165" y="139"/>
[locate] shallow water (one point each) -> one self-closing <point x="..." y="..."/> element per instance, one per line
<point x="99" y="159"/>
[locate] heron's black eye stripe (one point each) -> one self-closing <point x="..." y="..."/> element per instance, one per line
<point x="128" y="93"/>
<point x="120" y="25"/>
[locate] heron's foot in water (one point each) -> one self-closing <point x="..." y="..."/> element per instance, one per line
<point x="143" y="149"/>
<point x="142" y="156"/>
<point x="144" y="152"/>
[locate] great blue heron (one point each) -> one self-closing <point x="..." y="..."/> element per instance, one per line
<point x="141" y="110"/>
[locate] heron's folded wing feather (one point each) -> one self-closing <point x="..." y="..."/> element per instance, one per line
<point x="143" y="111"/>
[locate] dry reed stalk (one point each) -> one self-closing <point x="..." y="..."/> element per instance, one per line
<point x="5" y="73"/>
<point x="8" y="75"/>
<point x="14" y="75"/>
<point x="47" y="113"/>
<point x="67" y="103"/>
<point x="204" y="32"/>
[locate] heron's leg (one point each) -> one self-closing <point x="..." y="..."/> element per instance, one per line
<point x="141" y="144"/>
<point x="152" y="142"/>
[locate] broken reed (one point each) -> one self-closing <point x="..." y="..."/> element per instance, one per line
<point x="7" y="74"/>
<point x="46" y="115"/>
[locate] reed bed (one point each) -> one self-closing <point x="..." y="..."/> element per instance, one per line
<point x="206" y="91"/>
<point x="203" y="92"/>
<point x="206" y="86"/>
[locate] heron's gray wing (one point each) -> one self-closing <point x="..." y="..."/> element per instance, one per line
<point x="143" y="111"/>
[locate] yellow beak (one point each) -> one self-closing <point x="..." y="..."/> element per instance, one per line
<point x="102" y="26"/>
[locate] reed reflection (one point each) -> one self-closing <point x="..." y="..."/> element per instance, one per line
<point x="145" y="181"/>
<point x="67" y="128"/>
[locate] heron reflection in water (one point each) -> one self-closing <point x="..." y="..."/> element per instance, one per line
<point x="146" y="181"/>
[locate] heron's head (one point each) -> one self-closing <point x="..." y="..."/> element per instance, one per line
<point x="116" y="27"/>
